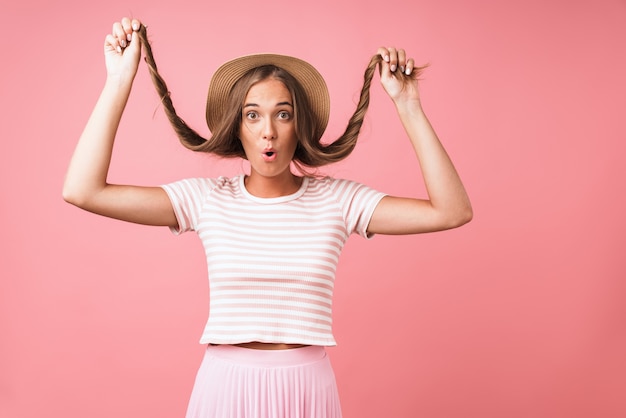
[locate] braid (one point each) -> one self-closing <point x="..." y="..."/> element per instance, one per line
<point x="188" y="137"/>
<point x="316" y="154"/>
<point x="310" y="151"/>
<point x="344" y="145"/>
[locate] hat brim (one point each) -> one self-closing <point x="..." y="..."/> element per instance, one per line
<point x="227" y="75"/>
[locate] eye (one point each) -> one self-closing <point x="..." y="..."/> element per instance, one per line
<point x="284" y="115"/>
<point x="252" y="115"/>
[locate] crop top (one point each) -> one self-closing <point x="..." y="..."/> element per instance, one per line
<point x="271" y="261"/>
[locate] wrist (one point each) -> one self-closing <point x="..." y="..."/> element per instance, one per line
<point x="118" y="82"/>
<point x="412" y="106"/>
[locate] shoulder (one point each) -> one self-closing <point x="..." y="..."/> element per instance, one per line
<point x="199" y="188"/>
<point x="338" y="186"/>
<point x="342" y="191"/>
<point x="205" y="183"/>
<point x="329" y="182"/>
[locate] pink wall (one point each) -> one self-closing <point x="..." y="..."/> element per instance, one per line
<point x="520" y="314"/>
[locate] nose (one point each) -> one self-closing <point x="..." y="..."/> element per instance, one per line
<point x="268" y="131"/>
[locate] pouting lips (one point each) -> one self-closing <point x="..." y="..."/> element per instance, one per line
<point x="269" y="156"/>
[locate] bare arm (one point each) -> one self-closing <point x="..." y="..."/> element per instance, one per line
<point x="448" y="205"/>
<point x="86" y="179"/>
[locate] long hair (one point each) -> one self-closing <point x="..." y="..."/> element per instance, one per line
<point x="224" y="141"/>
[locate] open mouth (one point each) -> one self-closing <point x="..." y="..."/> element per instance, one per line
<point x="269" y="156"/>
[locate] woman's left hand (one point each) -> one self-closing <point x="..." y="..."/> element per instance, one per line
<point x="398" y="74"/>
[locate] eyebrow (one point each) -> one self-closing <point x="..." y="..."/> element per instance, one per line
<point x="277" y="104"/>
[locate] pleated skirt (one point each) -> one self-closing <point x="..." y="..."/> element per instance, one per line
<point x="236" y="382"/>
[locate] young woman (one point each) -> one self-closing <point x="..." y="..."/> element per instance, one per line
<point x="273" y="237"/>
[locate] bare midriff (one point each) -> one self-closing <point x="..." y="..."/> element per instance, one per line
<point x="269" y="346"/>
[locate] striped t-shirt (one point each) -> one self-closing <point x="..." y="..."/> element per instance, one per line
<point x="271" y="261"/>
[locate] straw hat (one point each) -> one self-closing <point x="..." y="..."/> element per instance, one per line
<point x="227" y="75"/>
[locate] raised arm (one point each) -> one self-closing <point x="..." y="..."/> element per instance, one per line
<point x="86" y="179"/>
<point x="448" y="205"/>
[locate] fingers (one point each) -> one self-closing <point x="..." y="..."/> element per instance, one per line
<point x="121" y="34"/>
<point x="401" y="59"/>
<point x="396" y="59"/>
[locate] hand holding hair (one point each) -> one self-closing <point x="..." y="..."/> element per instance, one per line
<point x="398" y="75"/>
<point x="122" y="48"/>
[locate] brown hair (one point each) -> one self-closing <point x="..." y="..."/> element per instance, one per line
<point x="224" y="141"/>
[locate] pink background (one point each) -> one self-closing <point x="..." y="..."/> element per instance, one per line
<point x="521" y="313"/>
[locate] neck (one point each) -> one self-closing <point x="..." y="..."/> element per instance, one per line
<point x="267" y="187"/>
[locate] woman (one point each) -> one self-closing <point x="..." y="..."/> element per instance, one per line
<point x="272" y="237"/>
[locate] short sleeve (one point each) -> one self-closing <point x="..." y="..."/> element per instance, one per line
<point x="358" y="203"/>
<point x="188" y="197"/>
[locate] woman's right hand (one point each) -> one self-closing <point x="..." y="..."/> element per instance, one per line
<point x="122" y="48"/>
<point x="86" y="183"/>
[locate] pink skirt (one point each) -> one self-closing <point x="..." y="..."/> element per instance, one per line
<point x="235" y="382"/>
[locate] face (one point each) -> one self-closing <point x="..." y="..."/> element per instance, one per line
<point x="267" y="130"/>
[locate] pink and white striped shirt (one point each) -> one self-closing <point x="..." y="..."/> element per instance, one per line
<point x="271" y="261"/>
